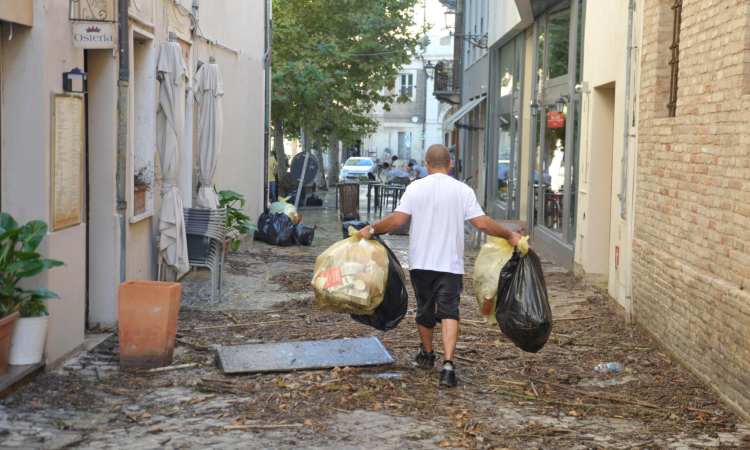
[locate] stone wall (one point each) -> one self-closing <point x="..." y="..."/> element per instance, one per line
<point x="692" y="233"/>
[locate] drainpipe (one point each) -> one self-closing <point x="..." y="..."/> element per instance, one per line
<point x="123" y="88"/>
<point x="267" y="104"/>
<point x="623" y="196"/>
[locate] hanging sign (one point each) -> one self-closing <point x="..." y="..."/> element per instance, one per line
<point x="94" y="35"/>
<point x="92" y="10"/>
<point x="555" y="120"/>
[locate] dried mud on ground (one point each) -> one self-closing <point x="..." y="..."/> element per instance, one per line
<point x="506" y="398"/>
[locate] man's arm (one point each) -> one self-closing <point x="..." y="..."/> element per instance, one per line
<point x="391" y="222"/>
<point x="488" y="226"/>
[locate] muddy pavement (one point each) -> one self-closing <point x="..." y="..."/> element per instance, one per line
<point x="506" y="398"/>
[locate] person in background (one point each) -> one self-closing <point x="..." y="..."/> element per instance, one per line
<point x="273" y="184"/>
<point x="396" y="172"/>
<point x="383" y="172"/>
<point x="438" y="206"/>
<point x="416" y="170"/>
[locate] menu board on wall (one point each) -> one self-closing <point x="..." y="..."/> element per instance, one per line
<point x="67" y="161"/>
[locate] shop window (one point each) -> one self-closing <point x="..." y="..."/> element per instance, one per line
<point x="674" y="61"/>
<point x="558" y="44"/>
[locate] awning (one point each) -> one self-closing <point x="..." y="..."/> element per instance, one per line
<point x="17" y="11"/>
<point x="464" y="110"/>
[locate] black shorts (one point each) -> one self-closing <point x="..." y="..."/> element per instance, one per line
<point x="438" y="295"/>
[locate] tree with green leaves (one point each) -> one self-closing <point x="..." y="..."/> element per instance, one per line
<point x="333" y="62"/>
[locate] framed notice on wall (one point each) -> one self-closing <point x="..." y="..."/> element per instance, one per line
<point x="67" y="161"/>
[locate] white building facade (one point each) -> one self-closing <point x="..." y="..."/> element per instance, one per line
<point x="408" y="129"/>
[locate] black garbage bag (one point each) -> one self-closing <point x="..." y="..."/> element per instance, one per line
<point x="395" y="302"/>
<point x="314" y="200"/>
<point x="523" y="311"/>
<point x="357" y="224"/>
<point x="275" y="229"/>
<point x="303" y="235"/>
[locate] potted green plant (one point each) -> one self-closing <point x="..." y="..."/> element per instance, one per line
<point x="20" y="260"/>
<point x="238" y="223"/>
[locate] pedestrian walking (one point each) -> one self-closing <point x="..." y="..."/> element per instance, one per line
<point x="438" y="206"/>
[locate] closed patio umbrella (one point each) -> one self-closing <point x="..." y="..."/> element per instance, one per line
<point x="209" y="90"/>
<point x="170" y="122"/>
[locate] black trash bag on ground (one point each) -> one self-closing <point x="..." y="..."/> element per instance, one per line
<point x="523" y="311"/>
<point x="275" y="229"/>
<point x="303" y="235"/>
<point x="357" y="224"/>
<point x="314" y="200"/>
<point x="391" y="312"/>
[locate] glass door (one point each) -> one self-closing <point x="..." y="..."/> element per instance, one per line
<point x="554" y="160"/>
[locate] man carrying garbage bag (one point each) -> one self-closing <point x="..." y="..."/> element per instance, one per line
<point x="438" y="206"/>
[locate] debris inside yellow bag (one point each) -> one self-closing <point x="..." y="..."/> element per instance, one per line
<point x="350" y="276"/>
<point x="284" y="207"/>
<point x="492" y="257"/>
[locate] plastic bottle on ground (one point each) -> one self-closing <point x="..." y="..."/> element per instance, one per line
<point x="609" y="367"/>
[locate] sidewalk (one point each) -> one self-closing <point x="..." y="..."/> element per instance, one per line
<point x="506" y="399"/>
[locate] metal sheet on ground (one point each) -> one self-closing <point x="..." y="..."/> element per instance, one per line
<point x="303" y="355"/>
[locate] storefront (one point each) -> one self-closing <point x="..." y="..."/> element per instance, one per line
<point x="506" y="129"/>
<point x="555" y="130"/>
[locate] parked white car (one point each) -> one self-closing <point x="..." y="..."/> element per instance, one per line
<point x="356" y="169"/>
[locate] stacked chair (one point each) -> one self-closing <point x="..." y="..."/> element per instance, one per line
<point x="206" y="232"/>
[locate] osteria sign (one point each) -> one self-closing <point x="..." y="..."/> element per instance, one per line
<point x="93" y="35"/>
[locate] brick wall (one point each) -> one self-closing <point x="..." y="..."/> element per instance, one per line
<point x="691" y="277"/>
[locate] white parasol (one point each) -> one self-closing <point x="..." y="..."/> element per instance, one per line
<point x="170" y="127"/>
<point x="209" y="90"/>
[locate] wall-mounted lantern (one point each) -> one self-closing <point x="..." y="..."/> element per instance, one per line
<point x="75" y="81"/>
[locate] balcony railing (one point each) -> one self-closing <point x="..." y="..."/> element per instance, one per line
<point x="446" y="85"/>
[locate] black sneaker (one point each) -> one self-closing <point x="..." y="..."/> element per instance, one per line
<point x="448" y="375"/>
<point x="425" y="360"/>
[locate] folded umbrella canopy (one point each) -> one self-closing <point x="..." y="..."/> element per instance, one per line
<point x="172" y="73"/>
<point x="209" y="90"/>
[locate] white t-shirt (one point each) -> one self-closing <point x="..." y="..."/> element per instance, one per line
<point x="438" y="205"/>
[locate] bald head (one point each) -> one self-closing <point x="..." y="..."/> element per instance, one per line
<point x="438" y="158"/>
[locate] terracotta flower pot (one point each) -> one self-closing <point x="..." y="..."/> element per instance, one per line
<point x="147" y="323"/>
<point x="139" y="200"/>
<point x="6" y="330"/>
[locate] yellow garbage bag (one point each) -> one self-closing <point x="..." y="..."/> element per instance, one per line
<point x="350" y="276"/>
<point x="492" y="257"/>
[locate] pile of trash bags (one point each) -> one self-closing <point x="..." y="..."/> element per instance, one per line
<point x="282" y="225"/>
<point x="511" y="292"/>
<point x="362" y="278"/>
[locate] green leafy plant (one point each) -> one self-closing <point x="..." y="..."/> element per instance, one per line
<point x="238" y="223"/>
<point x="19" y="259"/>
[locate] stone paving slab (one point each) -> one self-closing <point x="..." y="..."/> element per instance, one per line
<point x="302" y="355"/>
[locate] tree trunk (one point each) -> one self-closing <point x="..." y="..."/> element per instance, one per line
<point x="335" y="155"/>
<point x="318" y="153"/>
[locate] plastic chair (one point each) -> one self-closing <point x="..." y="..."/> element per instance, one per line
<point x="206" y="232"/>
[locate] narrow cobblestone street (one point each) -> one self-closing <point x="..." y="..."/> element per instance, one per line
<point x="506" y="399"/>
